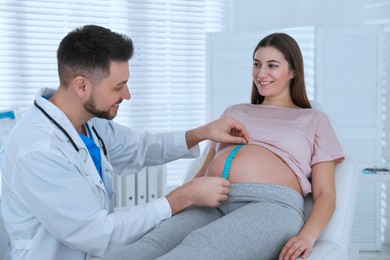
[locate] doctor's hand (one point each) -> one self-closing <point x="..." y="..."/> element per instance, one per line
<point x="203" y="191"/>
<point x="224" y="130"/>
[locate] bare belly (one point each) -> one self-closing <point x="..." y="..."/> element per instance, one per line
<point x="255" y="164"/>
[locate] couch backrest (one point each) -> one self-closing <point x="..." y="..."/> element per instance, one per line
<point x="339" y="228"/>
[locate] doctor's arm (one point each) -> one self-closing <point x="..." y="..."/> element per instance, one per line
<point x="324" y="203"/>
<point x="223" y="130"/>
<point x="71" y="207"/>
<point x="131" y="150"/>
<point x="207" y="191"/>
<point x="201" y="190"/>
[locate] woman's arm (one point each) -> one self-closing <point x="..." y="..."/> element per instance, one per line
<point x="324" y="201"/>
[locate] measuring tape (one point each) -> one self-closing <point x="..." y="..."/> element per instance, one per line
<point x="228" y="161"/>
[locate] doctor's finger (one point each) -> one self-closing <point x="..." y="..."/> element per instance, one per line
<point x="223" y="198"/>
<point x="225" y="191"/>
<point x="239" y="129"/>
<point x="236" y="139"/>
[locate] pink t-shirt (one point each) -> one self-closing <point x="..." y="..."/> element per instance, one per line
<point x="300" y="137"/>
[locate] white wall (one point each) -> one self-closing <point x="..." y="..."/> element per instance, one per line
<point x="255" y="15"/>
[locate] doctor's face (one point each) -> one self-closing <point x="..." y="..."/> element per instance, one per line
<point x="108" y="93"/>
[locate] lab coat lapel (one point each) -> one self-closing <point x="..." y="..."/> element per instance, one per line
<point x="83" y="154"/>
<point x="107" y="170"/>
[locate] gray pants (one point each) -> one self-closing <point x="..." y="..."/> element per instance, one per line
<point x="255" y="223"/>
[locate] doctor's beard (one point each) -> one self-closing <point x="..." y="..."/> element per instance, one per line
<point x="90" y="107"/>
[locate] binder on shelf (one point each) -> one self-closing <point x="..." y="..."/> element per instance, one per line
<point x="117" y="192"/>
<point x="141" y="187"/>
<point x="154" y="180"/>
<point x="128" y="190"/>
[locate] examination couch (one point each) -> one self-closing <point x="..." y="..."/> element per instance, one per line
<point x="334" y="243"/>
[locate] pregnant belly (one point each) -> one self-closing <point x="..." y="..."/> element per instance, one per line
<point x="255" y="164"/>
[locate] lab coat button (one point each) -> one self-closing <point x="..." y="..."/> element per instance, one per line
<point x="101" y="182"/>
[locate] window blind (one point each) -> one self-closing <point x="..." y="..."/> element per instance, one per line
<point x="378" y="13"/>
<point x="167" y="72"/>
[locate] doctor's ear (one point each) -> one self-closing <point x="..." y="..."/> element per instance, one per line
<point x="81" y="85"/>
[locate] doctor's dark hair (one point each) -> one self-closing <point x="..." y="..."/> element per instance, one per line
<point x="89" y="50"/>
<point x="292" y="53"/>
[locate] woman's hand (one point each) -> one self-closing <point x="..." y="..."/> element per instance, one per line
<point x="295" y="247"/>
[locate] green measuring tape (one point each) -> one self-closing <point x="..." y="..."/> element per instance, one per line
<point x="228" y="161"/>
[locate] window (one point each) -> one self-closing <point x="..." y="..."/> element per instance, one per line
<point x="168" y="74"/>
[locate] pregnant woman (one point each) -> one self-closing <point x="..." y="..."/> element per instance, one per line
<point x="292" y="151"/>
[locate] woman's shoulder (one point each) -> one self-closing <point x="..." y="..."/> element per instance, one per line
<point x="273" y="109"/>
<point x="316" y="112"/>
<point x="237" y="107"/>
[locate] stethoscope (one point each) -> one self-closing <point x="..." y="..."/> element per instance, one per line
<point x="82" y="151"/>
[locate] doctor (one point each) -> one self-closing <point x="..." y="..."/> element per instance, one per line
<point x="58" y="163"/>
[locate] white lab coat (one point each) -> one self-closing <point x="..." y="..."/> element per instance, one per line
<point x="55" y="205"/>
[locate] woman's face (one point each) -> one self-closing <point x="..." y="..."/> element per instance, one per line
<point x="272" y="74"/>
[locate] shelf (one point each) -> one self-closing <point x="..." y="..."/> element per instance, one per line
<point x="376" y="177"/>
